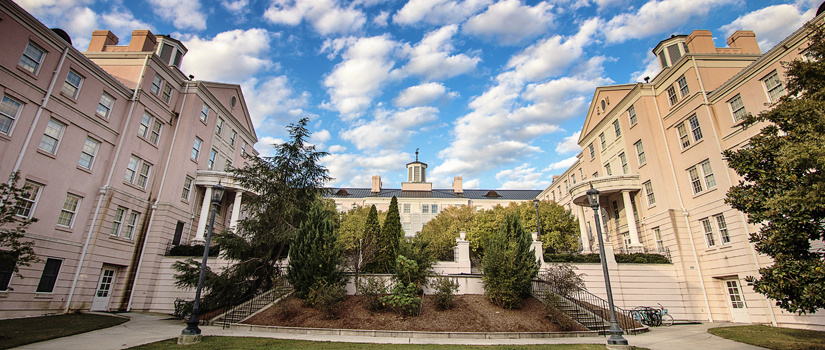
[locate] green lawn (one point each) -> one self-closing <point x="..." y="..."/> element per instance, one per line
<point x="773" y="337"/>
<point x="229" y="343"/>
<point x="21" y="331"/>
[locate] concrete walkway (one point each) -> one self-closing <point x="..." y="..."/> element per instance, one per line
<point x="147" y="328"/>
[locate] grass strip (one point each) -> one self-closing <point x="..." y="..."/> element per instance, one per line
<point x="773" y="337"/>
<point x="22" y="331"/>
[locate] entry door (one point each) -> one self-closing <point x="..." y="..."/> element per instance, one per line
<point x="736" y="302"/>
<point x="104" y="290"/>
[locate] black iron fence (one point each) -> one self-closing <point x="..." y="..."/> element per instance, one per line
<point x="247" y="306"/>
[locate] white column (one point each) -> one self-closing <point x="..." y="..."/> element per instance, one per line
<point x="236" y="210"/>
<point x="586" y="248"/>
<point x="538" y="249"/>
<point x="202" y="221"/>
<point x="631" y="223"/>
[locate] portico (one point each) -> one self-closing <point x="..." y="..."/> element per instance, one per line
<point x="207" y="179"/>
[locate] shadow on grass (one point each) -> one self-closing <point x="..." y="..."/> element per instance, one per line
<point x="22" y="331"/>
<point x="773" y="337"/>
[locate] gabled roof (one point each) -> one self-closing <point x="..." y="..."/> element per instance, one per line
<point x="435" y="193"/>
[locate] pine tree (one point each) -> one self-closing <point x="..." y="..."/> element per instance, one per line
<point x="509" y="265"/>
<point x="371" y="245"/>
<point x="391" y="236"/>
<point x="315" y="257"/>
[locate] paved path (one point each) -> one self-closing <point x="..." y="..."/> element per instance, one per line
<point x="146" y="328"/>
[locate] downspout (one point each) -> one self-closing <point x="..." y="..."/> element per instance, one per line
<point x="155" y="204"/>
<point x="108" y="184"/>
<point x="40" y="111"/>
<point x="730" y="181"/>
<point x="682" y="205"/>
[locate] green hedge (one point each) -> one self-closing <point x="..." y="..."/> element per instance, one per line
<point x="193" y="250"/>
<point x="635" y="258"/>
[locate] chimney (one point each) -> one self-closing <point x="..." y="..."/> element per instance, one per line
<point x="700" y="41"/>
<point x="376" y="184"/>
<point x="101" y="39"/>
<point x="142" y="41"/>
<point x="745" y="40"/>
<point x="458" y="185"/>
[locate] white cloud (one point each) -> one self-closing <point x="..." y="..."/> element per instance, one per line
<point x="522" y="177"/>
<point x="658" y="17"/>
<point x="356" y="170"/>
<point x="358" y="79"/>
<point x="562" y="165"/>
<point x="184" y="14"/>
<point x="265" y="146"/>
<point x="420" y="95"/>
<point x="472" y="183"/>
<point x="381" y="18"/>
<point x="231" y="56"/>
<point x="431" y="57"/>
<point x="337" y="149"/>
<point x="389" y="130"/>
<point x="552" y="56"/>
<point x="236" y="7"/>
<point x="771" y="24"/>
<point x="273" y="103"/>
<point x="438" y="12"/>
<point x="326" y="16"/>
<point x="122" y="21"/>
<point x="650" y="68"/>
<point x="569" y="144"/>
<point x="511" y="21"/>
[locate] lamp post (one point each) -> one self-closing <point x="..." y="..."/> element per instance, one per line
<point x="191" y="334"/>
<point x="538" y="222"/>
<point x="615" y="331"/>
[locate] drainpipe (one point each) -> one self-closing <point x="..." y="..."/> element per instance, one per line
<point x="730" y="182"/>
<point x="39" y="112"/>
<point x="108" y="184"/>
<point x="155" y="204"/>
<point x="682" y="205"/>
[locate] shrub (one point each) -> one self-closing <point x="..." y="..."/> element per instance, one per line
<point x="445" y="289"/>
<point x="326" y="297"/>
<point x="404" y="297"/>
<point x="315" y="255"/>
<point x="635" y="258"/>
<point x="372" y="290"/>
<point x="509" y="265"/>
<point x="563" y="278"/>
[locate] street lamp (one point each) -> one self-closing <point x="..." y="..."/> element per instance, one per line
<point x="538" y="223"/>
<point x="615" y="331"/>
<point x="191" y="334"/>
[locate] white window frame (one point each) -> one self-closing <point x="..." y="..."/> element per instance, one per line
<point x="9" y="112"/>
<point x="434" y="209"/>
<point x="649" y="194"/>
<point x="722" y="226"/>
<point x="607" y="169"/>
<point x="684" y="90"/>
<point x="104" y="107"/>
<point x="157" y="83"/>
<point x="88" y="153"/>
<point x="196" y="148"/>
<point x="701" y="177"/>
<point x="695" y="128"/>
<point x="592" y="151"/>
<point x="131" y="224"/>
<point x="154" y="135"/>
<point x="684" y="137"/>
<point x="243" y="148"/>
<point x="603" y="141"/>
<point x="204" y="113"/>
<point x="167" y="93"/>
<point x="31" y="196"/>
<point x="117" y="221"/>
<point x="187" y="188"/>
<point x="660" y="243"/>
<point x="672" y="98"/>
<point x="407" y="208"/>
<point x="737" y="108"/>
<point x="213" y="156"/>
<point x="138" y="172"/>
<point x="35" y="64"/>
<point x="69" y="213"/>
<point x="617" y="128"/>
<point x="232" y="138"/>
<point x="710" y="241"/>
<point x="70" y="88"/>
<point x="54" y="132"/>
<point x="145" y="124"/>
<point x="631" y="114"/>
<point x="773" y="86"/>
<point x="623" y="160"/>
<point x="425" y="209"/>
<point x="219" y="126"/>
<point x="640" y="152"/>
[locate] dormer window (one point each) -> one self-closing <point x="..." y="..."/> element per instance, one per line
<point x="671" y="50"/>
<point x="170" y="51"/>
<point x="492" y="194"/>
<point x="342" y="192"/>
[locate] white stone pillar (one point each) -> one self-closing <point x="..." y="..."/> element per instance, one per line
<point x="236" y="210"/>
<point x="538" y="248"/>
<point x="631" y="223"/>
<point x="463" y="256"/>
<point x="586" y="248"/>
<point x="204" y="219"/>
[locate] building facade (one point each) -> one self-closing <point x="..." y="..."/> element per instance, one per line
<point x="654" y="150"/>
<point x="119" y="149"/>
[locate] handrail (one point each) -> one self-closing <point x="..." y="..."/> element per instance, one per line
<point x="245" y="307"/>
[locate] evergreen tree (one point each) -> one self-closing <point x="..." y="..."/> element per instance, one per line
<point x="784" y="183"/>
<point x="391" y="236"/>
<point x="315" y="257"/>
<point x="370" y="246"/>
<point x="509" y="265"/>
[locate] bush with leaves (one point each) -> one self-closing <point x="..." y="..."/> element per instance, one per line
<point x="563" y="279"/>
<point x="404" y="297"/>
<point x="444" y="295"/>
<point x="509" y="265"/>
<point x="416" y="249"/>
<point x="327" y="298"/>
<point x="373" y="289"/>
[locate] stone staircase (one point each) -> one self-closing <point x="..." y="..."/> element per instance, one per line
<point x="254" y="305"/>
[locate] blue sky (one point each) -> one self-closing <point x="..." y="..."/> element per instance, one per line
<point x="493" y="91"/>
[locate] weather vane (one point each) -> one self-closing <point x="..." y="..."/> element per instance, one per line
<point x="416" y="154"/>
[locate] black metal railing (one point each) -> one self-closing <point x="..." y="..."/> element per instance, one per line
<point x="585" y="308"/>
<point x="245" y="307"/>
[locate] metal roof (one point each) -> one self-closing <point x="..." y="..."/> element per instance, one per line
<point x="435" y="193"/>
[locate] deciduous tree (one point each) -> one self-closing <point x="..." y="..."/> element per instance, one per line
<point x="14" y="251"/>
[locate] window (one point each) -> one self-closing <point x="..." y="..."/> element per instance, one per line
<point x="196" y="148"/>
<point x="131" y="224"/>
<point x="219" y="126"/>
<point x="710" y="181"/>
<point x="6" y="270"/>
<point x="406" y="208"/>
<point x="566" y="185"/>
<point x="651" y="198"/>
<point x="69" y="210"/>
<point x="660" y="244"/>
<point x="156" y="84"/>
<point x="187" y="188"/>
<point x="623" y="160"/>
<point x="632" y="115"/>
<point x="87" y="155"/>
<point x="72" y="84"/>
<point x="695" y="181"/>
<point x="683" y="86"/>
<point x="694" y="127"/>
<point x="155" y="135"/>
<point x="425" y="209"/>
<point x="434" y="209"/>
<point x="596" y="174"/>
<point x="167" y="93"/>
<point x="31" y="194"/>
<point x="603" y="141"/>
<point x="592" y="151"/>
<point x="243" y="149"/>
<point x="773" y="86"/>
<point x="117" y="221"/>
<point x="573" y="176"/>
<point x="143" y="129"/>
<point x="737" y="108"/>
<point x="232" y="138"/>
<point x="607" y="169"/>
<point x="640" y="152"/>
<point x="704" y="180"/>
<point x="615" y="206"/>
<point x="133" y="176"/>
<point x="104" y="107"/>
<point x="723" y="228"/>
<point x="9" y="110"/>
<point x="212" y="155"/>
<point x="617" y="129"/>
<point x="228" y="165"/>
<point x="671" y="95"/>
<point x="49" y="276"/>
<point x="51" y="138"/>
<point x="735" y="297"/>
<point x="32" y="57"/>
<point x="204" y="113"/>
<point x="711" y="242"/>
